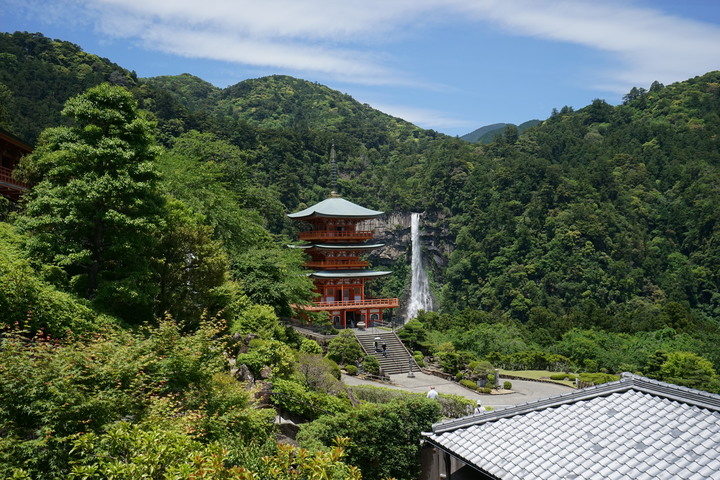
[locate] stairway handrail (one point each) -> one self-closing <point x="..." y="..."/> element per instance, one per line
<point x="394" y="335"/>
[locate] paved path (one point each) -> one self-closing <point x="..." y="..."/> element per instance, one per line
<point x="523" y="390"/>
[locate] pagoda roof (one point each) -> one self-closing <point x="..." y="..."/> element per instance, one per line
<point x="348" y="274"/>
<point x="340" y="246"/>
<point x="336" y="207"/>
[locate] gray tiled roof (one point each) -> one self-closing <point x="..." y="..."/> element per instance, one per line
<point x="336" y="207"/>
<point x="349" y="273"/>
<point x="631" y="429"/>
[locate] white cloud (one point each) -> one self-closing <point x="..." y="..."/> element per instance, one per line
<point x="425" y="118"/>
<point x="649" y="44"/>
<point x="352" y="41"/>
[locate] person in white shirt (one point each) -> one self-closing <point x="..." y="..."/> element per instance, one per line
<point x="479" y="408"/>
<point x="432" y="393"/>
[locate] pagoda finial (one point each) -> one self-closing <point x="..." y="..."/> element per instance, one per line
<point x="333" y="172"/>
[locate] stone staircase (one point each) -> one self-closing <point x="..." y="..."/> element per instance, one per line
<point x="398" y="358"/>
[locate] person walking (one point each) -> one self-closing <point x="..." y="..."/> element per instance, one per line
<point x="432" y="394"/>
<point x="479" y="408"/>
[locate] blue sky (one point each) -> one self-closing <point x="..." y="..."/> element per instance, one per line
<point x="449" y="65"/>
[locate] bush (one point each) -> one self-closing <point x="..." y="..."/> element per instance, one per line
<point x="486" y="390"/>
<point x="598" y="378"/>
<point x="469" y="384"/>
<point x="507" y="385"/>
<point x="563" y="376"/>
<point x="308" y="345"/>
<point x="351" y="370"/>
<point x="419" y="358"/>
<point x="344" y="348"/>
<point x="453" y="406"/>
<point x="383" y="437"/>
<point x="371" y="365"/>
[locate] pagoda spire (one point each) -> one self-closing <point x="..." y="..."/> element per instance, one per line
<point x="333" y="173"/>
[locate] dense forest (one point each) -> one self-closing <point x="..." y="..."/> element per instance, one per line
<point x="151" y="249"/>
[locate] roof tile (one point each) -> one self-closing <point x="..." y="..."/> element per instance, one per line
<point x="635" y="428"/>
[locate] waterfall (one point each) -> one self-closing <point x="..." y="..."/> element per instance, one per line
<point x="420" y="298"/>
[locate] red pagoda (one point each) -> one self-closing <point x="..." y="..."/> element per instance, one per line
<point x="335" y="245"/>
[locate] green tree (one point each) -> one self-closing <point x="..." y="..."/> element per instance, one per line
<point x="344" y="348"/>
<point x="30" y="302"/>
<point x="191" y="266"/>
<point x="384" y="438"/>
<point x="273" y="276"/>
<point x="94" y="209"/>
<point x="689" y="369"/>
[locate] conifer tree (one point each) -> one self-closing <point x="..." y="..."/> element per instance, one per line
<point x="94" y="210"/>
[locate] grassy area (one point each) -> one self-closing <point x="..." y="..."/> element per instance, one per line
<point x="536" y="375"/>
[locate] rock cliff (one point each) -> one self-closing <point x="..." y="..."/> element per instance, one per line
<point x="393" y="230"/>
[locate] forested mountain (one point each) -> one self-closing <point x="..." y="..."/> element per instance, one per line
<point x="475" y="135"/>
<point x="489" y="133"/>
<point x="591" y="241"/>
<point x="37" y="76"/>
<point x="597" y="217"/>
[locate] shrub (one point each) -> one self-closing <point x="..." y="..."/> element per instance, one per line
<point x="351" y="370"/>
<point x="344" y="348"/>
<point x="469" y="384"/>
<point x="453" y="406"/>
<point x="419" y="358"/>
<point x="486" y="390"/>
<point x="458" y="376"/>
<point x="383" y="437"/>
<point x="371" y="365"/>
<point x="598" y="378"/>
<point x="308" y="345"/>
<point x="507" y="385"/>
<point x="563" y="376"/>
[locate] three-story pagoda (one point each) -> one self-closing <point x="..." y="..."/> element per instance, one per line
<point x="335" y="245"/>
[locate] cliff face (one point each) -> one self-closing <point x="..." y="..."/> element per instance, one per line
<point x="393" y="230"/>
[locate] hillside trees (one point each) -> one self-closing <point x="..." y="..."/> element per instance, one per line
<point x="43" y="73"/>
<point x="95" y="209"/>
<point x="383" y="436"/>
<point x="53" y="393"/>
<point x="211" y="177"/>
<point x="29" y="302"/>
<point x="600" y="217"/>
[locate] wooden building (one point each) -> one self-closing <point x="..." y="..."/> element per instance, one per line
<point x="335" y="245"/>
<point x="11" y="150"/>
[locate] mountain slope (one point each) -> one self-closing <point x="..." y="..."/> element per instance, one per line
<point x="475" y="135"/>
<point x="489" y="133"/>
<point x="39" y="74"/>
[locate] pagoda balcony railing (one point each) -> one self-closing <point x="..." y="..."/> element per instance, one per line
<point x="6" y="178"/>
<point x="336" y="235"/>
<point x="348" y="304"/>
<point x="338" y="264"/>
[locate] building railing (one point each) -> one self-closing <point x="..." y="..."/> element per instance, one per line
<point x="346" y="304"/>
<point x="338" y="264"/>
<point x="6" y="177"/>
<point x="336" y="235"/>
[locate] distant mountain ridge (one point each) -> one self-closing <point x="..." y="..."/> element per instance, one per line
<point x="488" y="133"/>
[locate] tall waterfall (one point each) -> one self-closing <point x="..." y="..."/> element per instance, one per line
<point x="420" y="298"/>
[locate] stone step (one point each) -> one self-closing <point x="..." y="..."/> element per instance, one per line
<point x="398" y="359"/>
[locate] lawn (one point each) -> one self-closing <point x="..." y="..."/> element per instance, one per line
<point x="536" y="375"/>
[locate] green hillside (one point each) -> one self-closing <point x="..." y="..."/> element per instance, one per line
<point x="146" y="272"/>
<point x="489" y="133"/>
